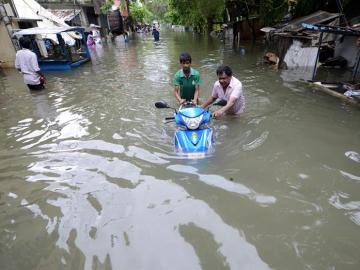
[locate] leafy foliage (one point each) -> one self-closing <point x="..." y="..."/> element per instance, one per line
<point x="158" y="8"/>
<point x="271" y="11"/>
<point x="139" y="13"/>
<point x="198" y="13"/>
<point x="107" y="6"/>
<point x="201" y="13"/>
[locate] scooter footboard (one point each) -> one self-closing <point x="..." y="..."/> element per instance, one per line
<point x="189" y="141"/>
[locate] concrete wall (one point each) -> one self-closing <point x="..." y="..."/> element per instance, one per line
<point x="7" y="52"/>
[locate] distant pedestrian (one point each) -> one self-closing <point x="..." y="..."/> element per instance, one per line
<point x="95" y="32"/>
<point x="90" y="40"/>
<point x="126" y="37"/>
<point x="156" y="34"/>
<point x="26" y="62"/>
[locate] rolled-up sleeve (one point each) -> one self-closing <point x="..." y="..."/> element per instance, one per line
<point x="214" y="93"/>
<point x="17" y="64"/>
<point x="238" y="91"/>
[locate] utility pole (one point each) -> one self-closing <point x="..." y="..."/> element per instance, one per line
<point x="74" y="10"/>
<point x="341" y="10"/>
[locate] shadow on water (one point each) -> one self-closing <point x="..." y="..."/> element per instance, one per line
<point x="89" y="178"/>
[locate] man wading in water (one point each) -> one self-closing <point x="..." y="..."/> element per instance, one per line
<point x="26" y="62"/>
<point x="227" y="88"/>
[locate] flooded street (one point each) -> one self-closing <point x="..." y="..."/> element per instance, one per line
<point x="89" y="178"/>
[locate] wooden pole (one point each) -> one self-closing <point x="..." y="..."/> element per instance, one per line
<point x="317" y="56"/>
<point x="324" y="89"/>
<point x="355" y="71"/>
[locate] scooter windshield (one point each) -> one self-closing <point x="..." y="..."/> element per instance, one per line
<point x="192" y="112"/>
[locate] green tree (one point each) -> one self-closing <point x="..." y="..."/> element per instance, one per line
<point x="197" y="13"/>
<point x="271" y="11"/>
<point x="202" y="13"/>
<point x="139" y="13"/>
<point x="106" y="5"/>
<point x="157" y="7"/>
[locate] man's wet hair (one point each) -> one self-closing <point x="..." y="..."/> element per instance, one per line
<point x="25" y="42"/>
<point x="185" y="57"/>
<point x="224" y="69"/>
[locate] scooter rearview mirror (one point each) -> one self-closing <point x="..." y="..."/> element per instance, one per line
<point x="221" y="102"/>
<point x="161" y="105"/>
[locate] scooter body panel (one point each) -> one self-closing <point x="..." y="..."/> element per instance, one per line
<point x="194" y="141"/>
<point x="193" y="138"/>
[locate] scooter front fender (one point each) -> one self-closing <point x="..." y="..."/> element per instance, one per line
<point x="194" y="141"/>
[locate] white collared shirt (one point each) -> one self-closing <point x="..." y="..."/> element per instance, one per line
<point x="234" y="89"/>
<point x="27" y="62"/>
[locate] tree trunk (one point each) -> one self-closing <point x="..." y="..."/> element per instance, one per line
<point x="209" y="25"/>
<point x="252" y="28"/>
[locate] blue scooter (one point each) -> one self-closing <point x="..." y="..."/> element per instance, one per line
<point x="193" y="134"/>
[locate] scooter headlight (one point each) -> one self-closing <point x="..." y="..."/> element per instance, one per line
<point x="192" y="123"/>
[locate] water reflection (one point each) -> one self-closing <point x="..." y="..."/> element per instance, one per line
<point x="108" y="200"/>
<point x="65" y="125"/>
<point x="352" y="208"/>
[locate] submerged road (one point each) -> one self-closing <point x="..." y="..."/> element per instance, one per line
<point x="89" y="178"/>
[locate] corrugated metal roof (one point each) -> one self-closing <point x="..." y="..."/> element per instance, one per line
<point x="332" y="29"/>
<point x="318" y="17"/>
<point x="30" y="9"/>
<point x="65" y="14"/>
<point x="25" y="19"/>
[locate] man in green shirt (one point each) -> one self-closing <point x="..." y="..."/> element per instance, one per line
<point x="187" y="81"/>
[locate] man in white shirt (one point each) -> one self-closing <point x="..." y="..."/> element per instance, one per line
<point x="26" y="62"/>
<point x="227" y="88"/>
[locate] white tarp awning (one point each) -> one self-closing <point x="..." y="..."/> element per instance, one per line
<point x="41" y="30"/>
<point x="33" y="10"/>
<point x="65" y="14"/>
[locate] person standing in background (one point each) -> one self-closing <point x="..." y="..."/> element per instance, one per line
<point x="26" y="62"/>
<point x="156" y="34"/>
<point x="95" y="32"/>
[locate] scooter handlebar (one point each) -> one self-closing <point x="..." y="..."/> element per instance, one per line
<point x="170" y="118"/>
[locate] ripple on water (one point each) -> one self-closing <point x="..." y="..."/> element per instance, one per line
<point x="219" y="181"/>
<point x="350" y="176"/>
<point x="65" y="125"/>
<point x="351" y="208"/>
<point x="355" y="156"/>
<point x="257" y="142"/>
